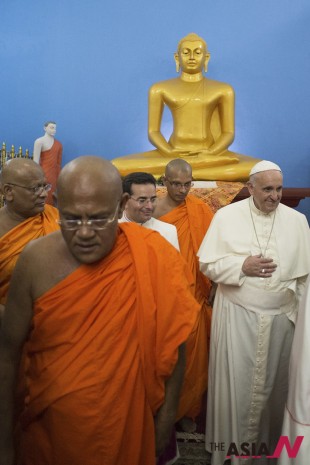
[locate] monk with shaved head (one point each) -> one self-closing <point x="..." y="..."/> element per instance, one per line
<point x="105" y="323"/>
<point x="192" y="217"/>
<point x="25" y="215"/>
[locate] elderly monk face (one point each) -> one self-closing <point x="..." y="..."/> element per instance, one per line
<point x="141" y="204"/>
<point x="26" y="190"/>
<point x="89" y="206"/>
<point x="178" y="183"/>
<point x="266" y="189"/>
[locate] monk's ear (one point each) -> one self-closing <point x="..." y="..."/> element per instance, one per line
<point x="164" y="180"/>
<point x="124" y="199"/>
<point x="7" y="192"/>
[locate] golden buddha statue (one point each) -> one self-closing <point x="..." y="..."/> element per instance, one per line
<point x="203" y="122"/>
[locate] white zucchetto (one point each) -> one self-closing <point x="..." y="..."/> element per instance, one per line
<point x="264" y="165"/>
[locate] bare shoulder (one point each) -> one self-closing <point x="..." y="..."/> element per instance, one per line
<point x="39" y="141"/>
<point x="47" y="260"/>
<point x="162" y="207"/>
<point x="43" y="247"/>
<point x="41" y="254"/>
<point x="47" y="251"/>
<point x="32" y="276"/>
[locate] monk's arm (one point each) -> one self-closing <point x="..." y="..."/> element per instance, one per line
<point x="37" y="148"/>
<point x="13" y="333"/>
<point x="166" y="415"/>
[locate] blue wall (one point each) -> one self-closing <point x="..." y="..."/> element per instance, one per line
<point x="88" y="65"/>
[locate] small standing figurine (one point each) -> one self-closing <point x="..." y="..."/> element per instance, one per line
<point x="47" y="151"/>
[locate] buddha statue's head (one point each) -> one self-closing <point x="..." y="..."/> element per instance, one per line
<point x="192" y="55"/>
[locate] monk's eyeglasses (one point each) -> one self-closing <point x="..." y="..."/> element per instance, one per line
<point x="37" y="190"/>
<point x="96" y="224"/>
<point x="144" y="200"/>
<point x="178" y="185"/>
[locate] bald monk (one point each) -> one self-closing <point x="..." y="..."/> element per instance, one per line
<point x="47" y="151"/>
<point x="192" y="217"/>
<point x="106" y="323"/>
<point x="203" y="122"/>
<point x="25" y="215"/>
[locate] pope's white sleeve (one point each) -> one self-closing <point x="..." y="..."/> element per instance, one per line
<point x="227" y="270"/>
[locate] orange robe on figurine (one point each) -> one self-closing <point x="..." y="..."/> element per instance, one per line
<point x="47" y="151"/>
<point x="50" y="160"/>
<point x="192" y="219"/>
<point x="96" y="384"/>
<point x="13" y="242"/>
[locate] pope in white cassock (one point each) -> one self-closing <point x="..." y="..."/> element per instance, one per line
<point x="258" y="251"/>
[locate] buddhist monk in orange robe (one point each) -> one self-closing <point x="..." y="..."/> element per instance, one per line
<point x="107" y="321"/>
<point x="24" y="217"/>
<point x="192" y="217"/>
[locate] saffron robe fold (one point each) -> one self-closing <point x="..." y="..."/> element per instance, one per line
<point x="104" y="341"/>
<point x="192" y="219"/>
<point x="13" y="242"/>
<point x="50" y="160"/>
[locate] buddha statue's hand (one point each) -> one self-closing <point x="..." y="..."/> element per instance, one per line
<point x="187" y="155"/>
<point x="202" y="153"/>
<point x="176" y="153"/>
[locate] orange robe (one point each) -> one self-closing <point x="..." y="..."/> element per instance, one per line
<point x="50" y="160"/>
<point x="13" y="242"/>
<point x="104" y="341"/>
<point x="192" y="219"/>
